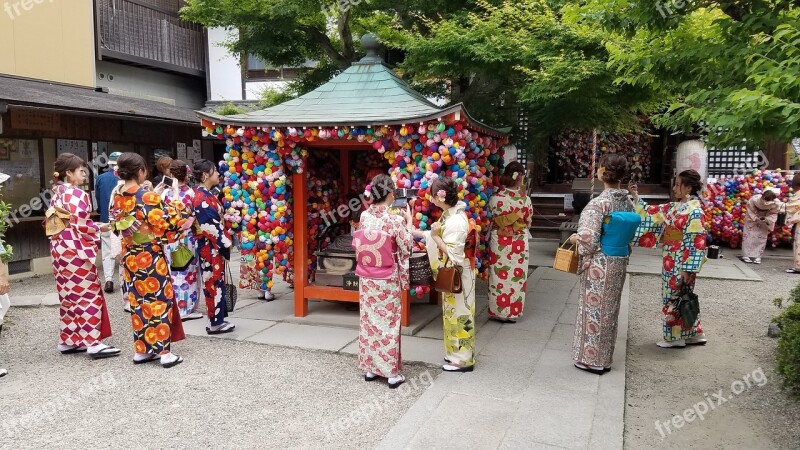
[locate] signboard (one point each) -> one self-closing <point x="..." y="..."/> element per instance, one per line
<point x="181" y="151"/>
<point x="194" y="153"/>
<point x="568" y="198"/>
<point x="35" y="120"/>
<point x="80" y="148"/>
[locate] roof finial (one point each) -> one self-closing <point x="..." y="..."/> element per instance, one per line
<point x="371" y="45"/>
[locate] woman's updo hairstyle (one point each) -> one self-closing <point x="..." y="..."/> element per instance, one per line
<point x="128" y="166"/>
<point x="616" y="167"/>
<point x="511" y="174"/>
<point x="692" y="179"/>
<point x="66" y="162"/>
<point x="449" y="187"/>
<point x="179" y="169"/>
<point x="203" y="167"/>
<point x="769" y="195"/>
<point x="380" y="187"/>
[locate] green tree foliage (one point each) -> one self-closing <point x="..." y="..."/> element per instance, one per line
<point x="731" y="66"/>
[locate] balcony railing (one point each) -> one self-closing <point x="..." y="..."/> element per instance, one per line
<point x="149" y="32"/>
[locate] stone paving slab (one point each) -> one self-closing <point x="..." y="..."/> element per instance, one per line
<point x="245" y="328"/>
<point x="306" y="336"/>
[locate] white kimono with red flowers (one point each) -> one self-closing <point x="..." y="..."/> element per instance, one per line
<point x="678" y="228"/>
<point x="508" y="252"/>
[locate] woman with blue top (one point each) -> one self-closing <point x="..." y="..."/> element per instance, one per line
<point x="605" y="230"/>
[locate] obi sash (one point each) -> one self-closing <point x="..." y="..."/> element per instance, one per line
<point x="619" y="227"/>
<point x="513" y="220"/>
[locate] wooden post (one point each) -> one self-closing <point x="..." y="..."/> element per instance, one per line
<point x="300" y="195"/>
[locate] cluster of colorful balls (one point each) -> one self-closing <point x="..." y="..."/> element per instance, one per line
<point x="726" y="200"/>
<point x="574" y="151"/>
<point x="257" y="187"/>
<point x="323" y="197"/>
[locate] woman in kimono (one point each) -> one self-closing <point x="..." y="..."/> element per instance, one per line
<point x="84" y="315"/>
<point x="446" y="243"/>
<point x="213" y="245"/>
<point x="793" y="218"/>
<point x="511" y="211"/>
<point x="379" y="299"/>
<point x="184" y="281"/>
<point x="146" y="226"/>
<point x="602" y="276"/>
<point x="678" y="227"/>
<point x="761" y="214"/>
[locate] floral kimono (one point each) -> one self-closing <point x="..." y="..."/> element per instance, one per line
<point x="214" y="247"/>
<point x="379" y="300"/>
<point x="757" y="230"/>
<point x="602" y="279"/>
<point x="793" y="218"/>
<point x="508" y="252"/>
<point x="83" y="311"/>
<point x="146" y="225"/>
<point x="185" y="282"/>
<point x="458" y="309"/>
<point x="678" y="228"/>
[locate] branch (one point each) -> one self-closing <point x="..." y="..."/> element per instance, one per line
<point x="327" y="46"/>
<point x="346" y="35"/>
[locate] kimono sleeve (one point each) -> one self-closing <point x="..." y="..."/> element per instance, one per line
<point x="528" y="210"/>
<point x="211" y="224"/>
<point x="652" y="226"/>
<point x="80" y="208"/>
<point x="163" y="218"/>
<point x="454" y="235"/>
<point x="404" y="241"/>
<point x="750" y="211"/>
<point x="694" y="242"/>
<point x="590" y="229"/>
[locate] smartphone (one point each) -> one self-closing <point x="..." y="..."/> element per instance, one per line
<point x="167" y="181"/>
<point x="402" y="196"/>
<point x="216" y="191"/>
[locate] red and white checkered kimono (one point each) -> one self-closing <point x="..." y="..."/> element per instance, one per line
<point x="84" y="316"/>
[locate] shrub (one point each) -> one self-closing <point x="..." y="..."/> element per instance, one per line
<point x="229" y="109"/>
<point x="788" y="358"/>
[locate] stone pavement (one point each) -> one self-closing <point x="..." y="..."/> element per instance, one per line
<point x="648" y="261"/>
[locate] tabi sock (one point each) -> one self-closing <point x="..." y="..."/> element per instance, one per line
<point x="96" y="348"/>
<point x="168" y="358"/>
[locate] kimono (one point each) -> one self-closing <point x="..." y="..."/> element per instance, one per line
<point x="678" y="228"/>
<point x="184" y="282"/>
<point x="379" y="300"/>
<point x="508" y="252"/>
<point x="214" y="247"/>
<point x="83" y="311"/>
<point x="458" y="310"/>
<point x="757" y="230"/>
<point x="146" y="225"/>
<point x="601" y="281"/>
<point x="793" y="218"/>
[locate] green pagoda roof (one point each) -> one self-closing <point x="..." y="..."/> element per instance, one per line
<point x="366" y="93"/>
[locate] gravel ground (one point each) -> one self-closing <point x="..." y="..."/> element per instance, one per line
<point x="665" y="382"/>
<point x="226" y="394"/>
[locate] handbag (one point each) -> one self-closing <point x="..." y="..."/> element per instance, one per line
<point x="566" y="259"/>
<point x="231" y="295"/>
<point x="55" y="220"/>
<point x="688" y="305"/>
<point x="420" y="271"/>
<point x="181" y="258"/>
<point x="448" y="279"/>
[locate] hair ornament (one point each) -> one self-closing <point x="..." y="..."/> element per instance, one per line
<point x="515" y="176"/>
<point x="441" y="195"/>
<point x="368" y="191"/>
<point x="56" y="174"/>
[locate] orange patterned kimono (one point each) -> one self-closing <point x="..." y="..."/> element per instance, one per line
<point x="146" y="225"/>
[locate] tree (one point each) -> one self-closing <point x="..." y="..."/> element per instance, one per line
<point x="524" y="54"/>
<point x="730" y="67"/>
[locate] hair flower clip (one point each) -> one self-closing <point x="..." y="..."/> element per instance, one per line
<point x="515" y="176"/>
<point x="368" y="191"/>
<point x="441" y="195"/>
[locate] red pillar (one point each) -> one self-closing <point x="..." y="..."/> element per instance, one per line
<point x="300" y="196"/>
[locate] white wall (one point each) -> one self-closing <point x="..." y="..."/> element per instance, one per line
<point x="224" y="70"/>
<point x="179" y="90"/>
<point x="254" y="88"/>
